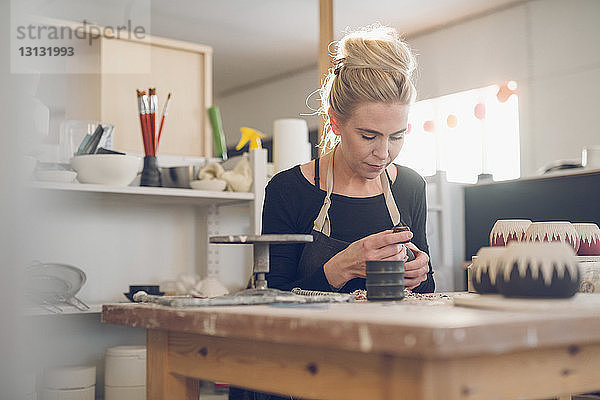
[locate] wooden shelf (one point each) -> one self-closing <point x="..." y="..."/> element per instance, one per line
<point x="159" y="194"/>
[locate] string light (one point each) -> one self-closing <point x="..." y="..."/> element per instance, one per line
<point x="479" y="111"/>
<point x="429" y="126"/>
<point x="452" y="121"/>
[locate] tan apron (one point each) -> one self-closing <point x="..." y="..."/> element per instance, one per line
<point x="323" y="247"/>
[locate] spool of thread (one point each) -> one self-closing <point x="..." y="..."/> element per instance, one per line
<point x="290" y="143"/>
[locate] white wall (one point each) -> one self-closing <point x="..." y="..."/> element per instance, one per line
<point x="550" y="47"/>
<point x="259" y="106"/>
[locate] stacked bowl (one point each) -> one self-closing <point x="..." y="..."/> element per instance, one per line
<point x="385" y="280"/>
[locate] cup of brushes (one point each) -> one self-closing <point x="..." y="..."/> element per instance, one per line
<point x="148" y="108"/>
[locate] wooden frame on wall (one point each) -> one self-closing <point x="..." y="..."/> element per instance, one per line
<point x="126" y="64"/>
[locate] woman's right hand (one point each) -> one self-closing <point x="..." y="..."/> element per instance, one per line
<point x="350" y="263"/>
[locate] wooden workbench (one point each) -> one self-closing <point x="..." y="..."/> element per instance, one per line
<point x="369" y="350"/>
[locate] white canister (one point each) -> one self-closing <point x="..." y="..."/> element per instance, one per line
<point x="70" y="394"/>
<point x="70" y="383"/>
<point x="125" y="393"/>
<point x="27" y="386"/>
<point x="125" y="366"/>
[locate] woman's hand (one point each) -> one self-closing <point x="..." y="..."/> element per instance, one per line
<point x="415" y="271"/>
<point x="351" y="262"/>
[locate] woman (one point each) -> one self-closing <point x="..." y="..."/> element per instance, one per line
<point x="352" y="197"/>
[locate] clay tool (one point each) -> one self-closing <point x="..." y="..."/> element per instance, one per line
<point x="409" y="252"/>
<point x="401" y="228"/>
<point x="90" y="147"/>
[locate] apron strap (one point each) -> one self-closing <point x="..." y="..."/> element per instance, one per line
<point x="389" y="199"/>
<point x="322" y="223"/>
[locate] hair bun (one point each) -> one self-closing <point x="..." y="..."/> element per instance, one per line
<point x="371" y="64"/>
<point x="376" y="47"/>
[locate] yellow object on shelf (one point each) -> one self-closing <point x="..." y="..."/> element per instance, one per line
<point x="250" y="135"/>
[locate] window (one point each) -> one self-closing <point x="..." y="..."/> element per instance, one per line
<point x="465" y="134"/>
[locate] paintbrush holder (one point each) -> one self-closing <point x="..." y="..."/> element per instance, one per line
<point x="150" y="173"/>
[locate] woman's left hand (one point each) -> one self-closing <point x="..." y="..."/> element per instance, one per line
<point x="415" y="271"/>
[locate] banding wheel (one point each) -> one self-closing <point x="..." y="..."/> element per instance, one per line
<point x="261" y="253"/>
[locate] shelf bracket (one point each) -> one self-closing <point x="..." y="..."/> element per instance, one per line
<point x="212" y="229"/>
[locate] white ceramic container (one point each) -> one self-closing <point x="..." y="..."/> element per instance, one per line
<point x="70" y="377"/>
<point x="125" y="393"/>
<point x="125" y="366"/>
<point x="70" y="394"/>
<point x="70" y="383"/>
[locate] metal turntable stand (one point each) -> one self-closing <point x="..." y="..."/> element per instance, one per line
<point x="261" y="258"/>
<point x="260" y="293"/>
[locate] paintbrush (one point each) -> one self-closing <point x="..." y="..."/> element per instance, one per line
<point x="162" y="118"/>
<point x="153" y="109"/>
<point x="142" y="112"/>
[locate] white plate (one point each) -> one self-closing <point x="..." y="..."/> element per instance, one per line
<point x="579" y="302"/>
<point x="55" y="175"/>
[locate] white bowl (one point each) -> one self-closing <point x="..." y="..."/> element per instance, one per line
<point x="106" y="169"/>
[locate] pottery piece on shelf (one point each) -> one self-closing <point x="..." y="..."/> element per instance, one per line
<point x="589" y="239"/>
<point x="508" y="230"/>
<point x="553" y="231"/>
<point x="539" y="269"/>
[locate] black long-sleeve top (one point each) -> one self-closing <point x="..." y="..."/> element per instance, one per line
<point x="292" y="203"/>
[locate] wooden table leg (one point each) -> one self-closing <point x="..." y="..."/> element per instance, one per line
<point x="160" y="382"/>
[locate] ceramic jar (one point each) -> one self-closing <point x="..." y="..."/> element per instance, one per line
<point x="485" y="269"/>
<point x="589" y="239"/>
<point x="553" y="231"/>
<point x="508" y="230"/>
<point x="539" y="269"/>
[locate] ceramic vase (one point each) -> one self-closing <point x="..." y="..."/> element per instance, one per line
<point x="539" y="269"/>
<point x="508" y="230"/>
<point x="485" y="269"/>
<point x="589" y="239"/>
<point x="553" y="231"/>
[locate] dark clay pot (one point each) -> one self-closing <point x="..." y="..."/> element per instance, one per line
<point x="527" y="286"/>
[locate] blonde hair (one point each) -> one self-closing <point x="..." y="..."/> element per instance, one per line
<point x="371" y="64"/>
